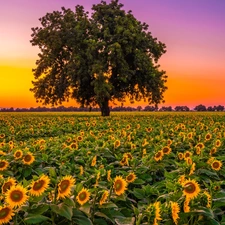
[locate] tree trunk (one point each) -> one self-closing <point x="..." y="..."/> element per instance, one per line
<point x="104" y="106"/>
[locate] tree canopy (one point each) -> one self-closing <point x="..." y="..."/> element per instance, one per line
<point x="108" y="56"/>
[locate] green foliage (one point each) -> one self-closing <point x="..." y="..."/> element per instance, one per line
<point x="95" y="59"/>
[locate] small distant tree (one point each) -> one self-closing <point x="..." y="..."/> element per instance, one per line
<point x="166" y="109"/>
<point x="219" y="108"/>
<point x="150" y="108"/>
<point x="211" y="109"/>
<point x="200" y="108"/>
<point x="181" y="108"/>
<point x="96" y="59"/>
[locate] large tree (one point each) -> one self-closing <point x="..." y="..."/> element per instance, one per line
<point x="108" y="56"/>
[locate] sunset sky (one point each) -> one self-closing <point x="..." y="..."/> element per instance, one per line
<point x="193" y="31"/>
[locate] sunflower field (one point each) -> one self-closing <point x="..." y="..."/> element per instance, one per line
<point x="127" y="169"/>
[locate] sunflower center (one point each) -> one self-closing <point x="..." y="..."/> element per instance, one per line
<point x="6" y="186"/>
<point x="165" y="149"/>
<point x="16" y="195"/>
<point x="190" y="188"/>
<point x="118" y="185"/>
<point x="4" y="213"/>
<point x="82" y="196"/>
<point x="38" y="185"/>
<point x="2" y="164"/>
<point x="64" y="185"/>
<point x="18" y="154"/>
<point x="27" y="158"/>
<point x="216" y="165"/>
<point x="158" y="154"/>
<point x="130" y="177"/>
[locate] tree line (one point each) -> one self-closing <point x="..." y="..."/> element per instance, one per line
<point x="199" y="108"/>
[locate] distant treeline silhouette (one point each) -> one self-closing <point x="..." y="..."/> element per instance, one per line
<point x="200" y="107"/>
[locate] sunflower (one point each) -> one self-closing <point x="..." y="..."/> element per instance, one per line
<point x="79" y="138"/>
<point x="186" y="205"/>
<point x="116" y="143"/>
<point x="65" y="185"/>
<point x="208" y="136"/>
<point x="131" y="177"/>
<point x="190" y="135"/>
<point x="74" y="145"/>
<point x="124" y="161"/>
<point x="145" y="143"/>
<point x="81" y="170"/>
<point x="93" y="162"/>
<point x="209" y="199"/>
<point x="218" y="143"/>
<point x="181" y="179"/>
<point x="191" y="188"/>
<point x="39" y="186"/>
<point x="128" y="154"/>
<point x="18" y="154"/>
<point x="216" y="165"/>
<point x="166" y="150"/>
<point x="198" y="150"/>
<point x="3" y="165"/>
<point x="8" y="184"/>
<point x="192" y="170"/>
<point x="188" y="160"/>
<point x="200" y="145"/>
<point x="83" y="196"/>
<point x="119" y="185"/>
<point x="109" y="175"/>
<point x="158" y="156"/>
<point x="104" y="197"/>
<point x="175" y="209"/>
<point x="2" y="135"/>
<point x="157" y="212"/>
<point x="16" y="196"/>
<point x="6" y="214"/>
<point x="144" y="152"/>
<point x="213" y="151"/>
<point x="148" y="129"/>
<point x="187" y="154"/>
<point x="28" y="158"/>
<point x="180" y="155"/>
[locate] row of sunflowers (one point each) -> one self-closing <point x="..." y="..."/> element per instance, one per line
<point x="130" y="168"/>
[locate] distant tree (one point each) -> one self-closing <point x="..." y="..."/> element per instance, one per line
<point x="211" y="109"/>
<point x="149" y="108"/>
<point x="219" y="108"/>
<point x="109" y="55"/>
<point x="200" y="108"/>
<point x="181" y="109"/>
<point x="139" y="108"/>
<point x="166" y="109"/>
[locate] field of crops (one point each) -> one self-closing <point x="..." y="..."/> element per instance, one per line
<point x="130" y="168"/>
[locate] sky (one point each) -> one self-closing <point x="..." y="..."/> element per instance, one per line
<point x="193" y="31"/>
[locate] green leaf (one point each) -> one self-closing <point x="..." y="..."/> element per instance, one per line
<point x="125" y="221"/>
<point x="63" y="210"/>
<point x="100" y="214"/>
<point x="27" y="172"/>
<point x="69" y="202"/>
<point x="138" y="181"/>
<point x="35" y="219"/>
<point x="108" y="205"/>
<point x="82" y="219"/>
<point x="139" y="193"/>
<point x="38" y="209"/>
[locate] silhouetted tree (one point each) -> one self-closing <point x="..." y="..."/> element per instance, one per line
<point x="200" y="108"/>
<point x="109" y="55"/>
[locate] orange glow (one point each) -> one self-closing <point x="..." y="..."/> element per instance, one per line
<point x="182" y="90"/>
